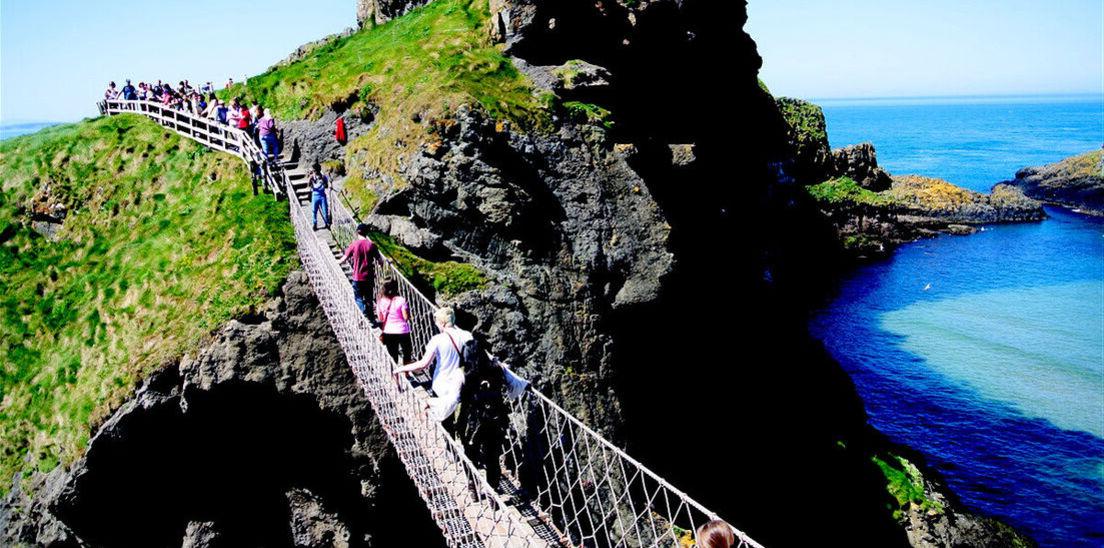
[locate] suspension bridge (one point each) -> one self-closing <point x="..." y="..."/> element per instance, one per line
<point x="562" y="484"/>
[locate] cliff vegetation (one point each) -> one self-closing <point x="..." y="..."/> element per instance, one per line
<point x="414" y="68"/>
<point x="122" y="245"/>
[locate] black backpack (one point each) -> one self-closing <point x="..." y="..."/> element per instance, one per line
<point x="483" y="407"/>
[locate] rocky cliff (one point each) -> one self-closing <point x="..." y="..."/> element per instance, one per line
<point x="649" y="256"/>
<point x="646" y="258"/>
<point x="1076" y="182"/>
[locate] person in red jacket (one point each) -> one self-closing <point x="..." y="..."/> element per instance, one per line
<point x="246" y="120"/>
<point x="339" y="132"/>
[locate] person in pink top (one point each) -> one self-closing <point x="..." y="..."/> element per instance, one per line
<point x="394" y="314"/>
<point x="360" y="255"/>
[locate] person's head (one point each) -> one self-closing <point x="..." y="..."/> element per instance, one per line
<point x="362" y="229"/>
<point x="715" y="534"/>
<point x="390" y="287"/>
<point x="128" y="81"/>
<point x="316" y="167"/>
<point x="111" y="85"/>
<point x="445" y="317"/>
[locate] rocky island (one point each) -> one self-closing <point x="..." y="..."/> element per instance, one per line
<point x="527" y="161"/>
<point x="872" y="211"/>
<point x="1076" y="183"/>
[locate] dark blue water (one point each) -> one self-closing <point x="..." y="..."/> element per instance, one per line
<point x="986" y="352"/>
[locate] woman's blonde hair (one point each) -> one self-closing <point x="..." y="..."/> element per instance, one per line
<point x="445" y="316"/>
<point x="715" y="534"/>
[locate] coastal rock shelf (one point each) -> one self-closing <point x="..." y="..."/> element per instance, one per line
<point x="1076" y="182"/>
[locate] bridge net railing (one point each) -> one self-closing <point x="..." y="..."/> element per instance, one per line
<point x="575" y="486"/>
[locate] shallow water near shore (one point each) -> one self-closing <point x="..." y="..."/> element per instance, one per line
<point x="986" y="352"/>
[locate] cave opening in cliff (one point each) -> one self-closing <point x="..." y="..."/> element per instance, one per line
<point x="231" y="460"/>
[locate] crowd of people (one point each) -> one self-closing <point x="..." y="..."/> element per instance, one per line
<point x="201" y="101"/>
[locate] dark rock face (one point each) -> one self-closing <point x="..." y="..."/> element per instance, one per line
<point x="568" y="230"/>
<point x="1076" y="182"/>
<point x="315" y="141"/>
<point x="312" y="524"/>
<point x="214" y="451"/>
<point x="860" y="162"/>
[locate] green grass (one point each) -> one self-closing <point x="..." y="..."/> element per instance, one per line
<point x="589" y="113"/>
<point x="763" y="86"/>
<point x="447" y="278"/>
<point x="844" y="191"/>
<point x="163" y="243"/>
<point x="805" y="118"/>
<point x="425" y="63"/>
<point x="905" y="484"/>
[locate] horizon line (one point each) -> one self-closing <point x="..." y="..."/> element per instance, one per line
<point x="1097" y="93"/>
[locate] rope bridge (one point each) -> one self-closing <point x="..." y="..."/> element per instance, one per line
<point x="563" y="484"/>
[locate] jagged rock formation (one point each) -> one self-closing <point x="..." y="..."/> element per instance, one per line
<point x="1076" y="182"/>
<point x="261" y="437"/>
<point x="375" y="12"/>
<point x="860" y="163"/>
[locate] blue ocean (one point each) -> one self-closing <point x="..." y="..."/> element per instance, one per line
<point x="9" y="130"/>
<point x="985" y="352"/>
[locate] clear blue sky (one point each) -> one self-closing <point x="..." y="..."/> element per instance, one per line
<point x="896" y="48"/>
<point x="57" y="55"/>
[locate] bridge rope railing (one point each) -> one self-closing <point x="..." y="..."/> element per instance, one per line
<point x="575" y="486"/>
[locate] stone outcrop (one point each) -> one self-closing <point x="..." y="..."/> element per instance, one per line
<point x="928" y="200"/>
<point x="872" y="224"/>
<point x="813" y="161"/>
<point x="1076" y="182"/>
<point x="263" y="435"/>
<point x="860" y="163"/>
<point x="377" y="12"/>
<point x="566" y="228"/>
<point x="312" y="524"/>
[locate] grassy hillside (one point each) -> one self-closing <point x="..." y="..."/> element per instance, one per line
<point x="163" y="242"/>
<point x="416" y="66"/>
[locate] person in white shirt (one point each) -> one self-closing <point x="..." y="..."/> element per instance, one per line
<point x="448" y="377"/>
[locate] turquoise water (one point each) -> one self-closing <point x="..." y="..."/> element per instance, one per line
<point x="986" y="352"/>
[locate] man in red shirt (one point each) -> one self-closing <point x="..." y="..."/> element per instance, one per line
<point x="360" y="254"/>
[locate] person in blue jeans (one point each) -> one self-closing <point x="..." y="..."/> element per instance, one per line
<point x="319" y="184"/>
